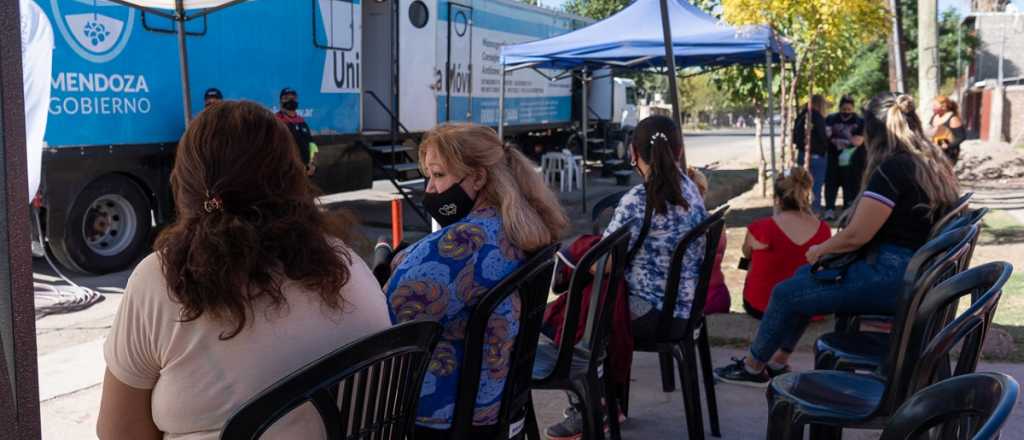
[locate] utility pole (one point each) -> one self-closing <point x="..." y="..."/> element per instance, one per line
<point x="897" y="60"/>
<point x="927" y="53"/>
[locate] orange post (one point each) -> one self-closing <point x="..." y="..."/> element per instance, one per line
<point x="396" y="222"/>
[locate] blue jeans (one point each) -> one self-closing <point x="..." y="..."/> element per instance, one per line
<point x="819" y="167"/>
<point x="867" y="288"/>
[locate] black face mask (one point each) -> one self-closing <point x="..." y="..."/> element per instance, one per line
<point x="449" y="206"/>
<point x="845" y="115"/>
<point x="290" y="105"/>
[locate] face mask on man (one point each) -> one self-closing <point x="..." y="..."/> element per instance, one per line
<point x="449" y="206"/>
<point x="290" y="105"/>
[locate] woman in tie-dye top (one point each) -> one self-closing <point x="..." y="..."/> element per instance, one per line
<point x="494" y="209"/>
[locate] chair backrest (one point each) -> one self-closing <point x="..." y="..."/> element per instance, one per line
<point x="607" y="258"/>
<point x="955" y="212"/>
<point x="936" y="261"/>
<point x="607" y="202"/>
<point x="371" y="386"/>
<point x="711" y="230"/>
<point x="532" y="283"/>
<point x="983" y="400"/>
<point x="926" y="357"/>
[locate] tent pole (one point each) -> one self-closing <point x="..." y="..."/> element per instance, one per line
<point x="771" y="110"/>
<point x="670" y="63"/>
<point x="501" y="106"/>
<point x="585" y="120"/>
<point x="186" y="93"/>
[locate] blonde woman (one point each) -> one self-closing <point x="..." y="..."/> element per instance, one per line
<point x="494" y="209"/>
<point x="776" y="246"/>
<point x="908" y="185"/>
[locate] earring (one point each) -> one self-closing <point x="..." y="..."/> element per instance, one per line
<point x="632" y="162"/>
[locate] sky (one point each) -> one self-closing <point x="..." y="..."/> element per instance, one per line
<point x="960" y="5"/>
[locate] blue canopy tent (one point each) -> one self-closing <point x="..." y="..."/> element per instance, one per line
<point x="630" y="39"/>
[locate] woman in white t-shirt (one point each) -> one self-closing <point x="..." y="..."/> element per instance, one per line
<point x="252" y="282"/>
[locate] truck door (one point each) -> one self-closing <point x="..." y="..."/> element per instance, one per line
<point x="459" y="66"/>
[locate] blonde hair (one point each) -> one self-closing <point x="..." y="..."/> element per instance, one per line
<point x="793" y="190"/>
<point x="892" y="127"/>
<point x="699" y="179"/>
<point x="531" y="214"/>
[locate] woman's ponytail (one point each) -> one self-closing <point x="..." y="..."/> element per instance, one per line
<point x="658" y="141"/>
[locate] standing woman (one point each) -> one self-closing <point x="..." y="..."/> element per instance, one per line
<point x="908" y="186"/>
<point x="494" y="209"/>
<point x="946" y="128"/>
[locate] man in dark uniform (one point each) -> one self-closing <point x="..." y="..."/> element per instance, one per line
<point x="297" y="125"/>
<point x="211" y="97"/>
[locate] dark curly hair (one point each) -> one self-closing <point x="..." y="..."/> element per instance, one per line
<point x="247" y="220"/>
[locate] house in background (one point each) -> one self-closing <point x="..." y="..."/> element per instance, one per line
<point x="991" y="91"/>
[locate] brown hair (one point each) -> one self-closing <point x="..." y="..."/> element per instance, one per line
<point x="793" y="190"/>
<point x="247" y="220"/>
<point x="892" y="127"/>
<point x="531" y="215"/>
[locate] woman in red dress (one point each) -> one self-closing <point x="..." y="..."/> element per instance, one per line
<point x="776" y="246"/>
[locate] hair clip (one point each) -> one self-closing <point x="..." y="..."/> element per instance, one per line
<point x="212" y="203"/>
<point x="658" y="135"/>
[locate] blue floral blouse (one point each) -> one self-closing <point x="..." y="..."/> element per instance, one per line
<point x="647" y="274"/>
<point x="440" y="278"/>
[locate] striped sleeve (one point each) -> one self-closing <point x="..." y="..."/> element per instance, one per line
<point x="882" y="189"/>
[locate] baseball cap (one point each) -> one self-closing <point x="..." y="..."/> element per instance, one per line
<point x="288" y="91"/>
<point x="212" y="92"/>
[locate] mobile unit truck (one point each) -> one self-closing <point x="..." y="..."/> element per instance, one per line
<point x="370" y="76"/>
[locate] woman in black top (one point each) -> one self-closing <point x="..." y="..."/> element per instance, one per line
<point x="908" y="185"/>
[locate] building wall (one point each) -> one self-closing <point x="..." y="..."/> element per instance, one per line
<point x="1013" y="113"/>
<point x="993" y="31"/>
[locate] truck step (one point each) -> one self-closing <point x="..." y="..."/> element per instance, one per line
<point x="389" y="149"/>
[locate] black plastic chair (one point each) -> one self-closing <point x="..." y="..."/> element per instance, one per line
<point x="832" y="400"/>
<point x="607" y="202"/>
<point x="376" y="382"/>
<point x="957" y="211"/>
<point x="683" y="351"/>
<point x="852" y="349"/>
<point x="531" y="282"/>
<point x="959" y="216"/>
<point x="976" y="405"/>
<point x="592" y="385"/>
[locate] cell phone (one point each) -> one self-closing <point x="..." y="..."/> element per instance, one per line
<point x="744" y="263"/>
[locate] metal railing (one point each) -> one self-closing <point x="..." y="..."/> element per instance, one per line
<point x="391" y="174"/>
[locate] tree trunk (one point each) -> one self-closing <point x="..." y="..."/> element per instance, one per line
<point x="759" y="140"/>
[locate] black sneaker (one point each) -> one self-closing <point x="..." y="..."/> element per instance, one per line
<point x="772" y="373"/>
<point x="736" y="373"/>
<point x="571" y="428"/>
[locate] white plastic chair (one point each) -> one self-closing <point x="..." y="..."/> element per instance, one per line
<point x="561" y="166"/>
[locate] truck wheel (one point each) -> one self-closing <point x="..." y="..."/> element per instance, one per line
<point x="109" y="225"/>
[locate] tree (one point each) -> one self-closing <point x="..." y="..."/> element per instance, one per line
<point x="864" y="81"/>
<point x="596" y="9"/>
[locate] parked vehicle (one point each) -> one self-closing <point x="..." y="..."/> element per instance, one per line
<point x="371" y="77"/>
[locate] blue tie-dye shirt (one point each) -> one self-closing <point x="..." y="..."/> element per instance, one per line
<point x="648" y="272"/>
<point x="440" y="278"/>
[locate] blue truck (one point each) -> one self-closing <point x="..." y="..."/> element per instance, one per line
<point x="371" y="76"/>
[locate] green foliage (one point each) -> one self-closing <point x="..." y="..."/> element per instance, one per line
<point x="868" y="76"/>
<point x="596" y="9"/>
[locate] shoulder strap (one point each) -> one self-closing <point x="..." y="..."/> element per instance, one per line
<point x="645" y="229"/>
